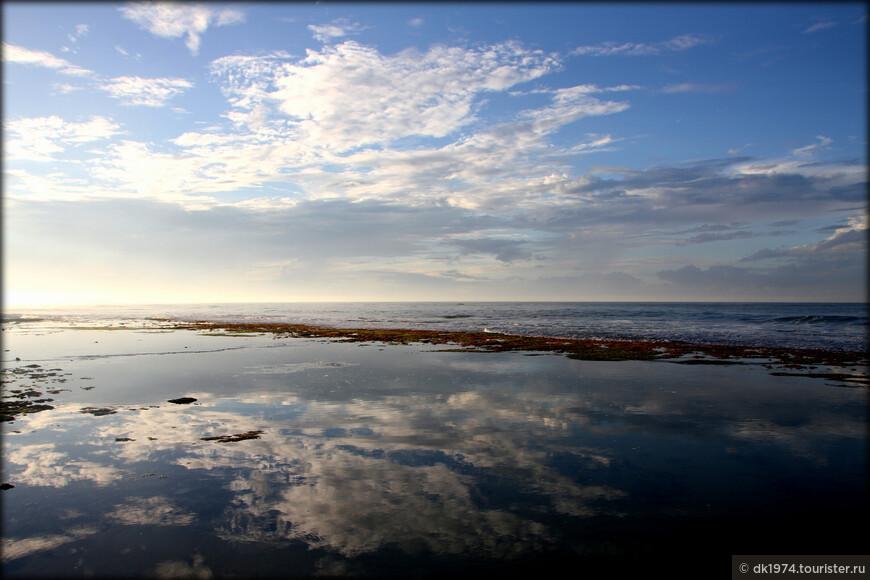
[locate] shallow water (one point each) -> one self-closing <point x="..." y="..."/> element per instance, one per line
<point x="381" y="459"/>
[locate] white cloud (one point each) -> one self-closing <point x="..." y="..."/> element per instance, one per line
<point x="678" y="43"/>
<point x="39" y="138"/>
<point x="171" y="20"/>
<point x="329" y="106"/>
<point x="126" y="54"/>
<point x="569" y="105"/>
<point x="207" y="165"/>
<point x="146" y="92"/>
<point x="813" y="148"/>
<point x="819" y="26"/>
<point x="696" y="88"/>
<point x="350" y="95"/>
<point x="336" y="29"/>
<point x="20" y="55"/>
<point x="64" y="88"/>
<point x="81" y="30"/>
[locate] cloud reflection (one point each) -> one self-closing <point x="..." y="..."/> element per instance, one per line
<point x="150" y="511"/>
<point x="13" y="549"/>
<point x="485" y="465"/>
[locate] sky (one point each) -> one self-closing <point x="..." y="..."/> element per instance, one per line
<point x="171" y="153"/>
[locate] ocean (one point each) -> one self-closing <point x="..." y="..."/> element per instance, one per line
<point x="829" y="326"/>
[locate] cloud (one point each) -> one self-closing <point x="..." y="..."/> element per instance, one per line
<point x="337" y="29"/>
<point x="678" y="43"/>
<point x="504" y="250"/>
<point x="340" y="145"/>
<point x="709" y="237"/>
<point x="40" y="138"/>
<point x="848" y="238"/>
<point x="416" y="22"/>
<point x="20" y="55"/>
<point x="696" y="88"/>
<point x="813" y="148"/>
<point x="81" y="31"/>
<point x="145" y="92"/>
<point x="350" y="95"/>
<point x="171" y="20"/>
<point x="801" y="271"/>
<point x="820" y="26"/>
<point x="570" y="104"/>
<point x="123" y="52"/>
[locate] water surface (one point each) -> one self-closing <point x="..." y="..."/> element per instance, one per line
<point x="378" y="459"/>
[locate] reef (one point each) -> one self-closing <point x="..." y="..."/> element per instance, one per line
<point x="24" y="400"/>
<point x="10" y="409"/>
<point x="803" y="360"/>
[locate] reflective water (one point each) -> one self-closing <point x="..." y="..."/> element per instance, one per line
<point x="381" y="460"/>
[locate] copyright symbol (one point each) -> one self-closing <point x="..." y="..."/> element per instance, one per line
<point x="744" y="567"/>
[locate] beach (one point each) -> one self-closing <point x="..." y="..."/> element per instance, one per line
<point x="166" y="448"/>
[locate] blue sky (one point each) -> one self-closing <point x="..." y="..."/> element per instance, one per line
<point x="252" y="152"/>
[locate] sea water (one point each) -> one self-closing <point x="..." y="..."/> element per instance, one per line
<point x="375" y="460"/>
<point x="832" y="326"/>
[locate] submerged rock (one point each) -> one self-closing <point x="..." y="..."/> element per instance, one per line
<point x="98" y="411"/>
<point x="233" y="438"/>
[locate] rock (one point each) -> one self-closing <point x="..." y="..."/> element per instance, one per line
<point x="183" y="400"/>
<point x="98" y="412"/>
<point x="235" y="437"/>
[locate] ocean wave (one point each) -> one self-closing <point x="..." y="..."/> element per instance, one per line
<point x="818" y="319"/>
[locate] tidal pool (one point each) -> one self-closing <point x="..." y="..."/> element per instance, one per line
<point x="367" y="459"/>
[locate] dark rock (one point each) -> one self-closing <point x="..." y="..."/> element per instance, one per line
<point x="234" y="438"/>
<point x="183" y="400"/>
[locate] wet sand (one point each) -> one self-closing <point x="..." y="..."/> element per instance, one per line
<point x="241" y="450"/>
